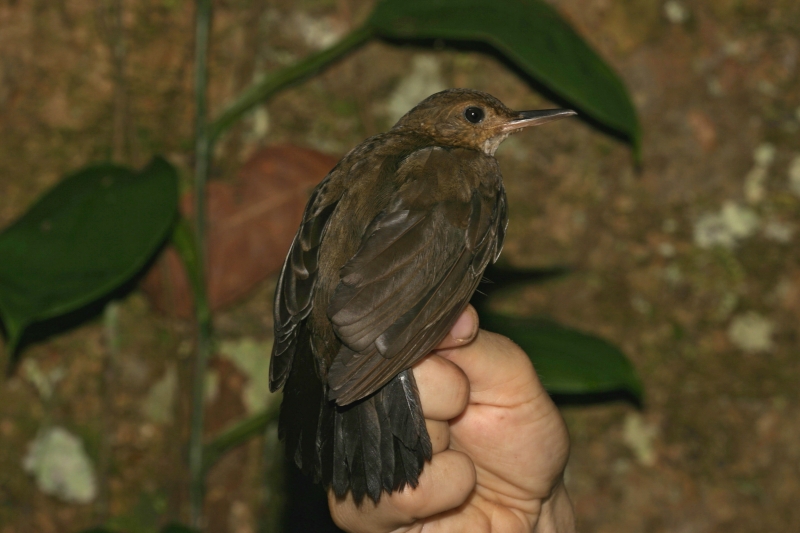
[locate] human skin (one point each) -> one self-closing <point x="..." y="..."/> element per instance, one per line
<point x="500" y="447"/>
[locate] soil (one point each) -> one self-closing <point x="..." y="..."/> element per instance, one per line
<point x="689" y="261"/>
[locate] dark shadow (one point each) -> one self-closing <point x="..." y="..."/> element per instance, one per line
<point x="598" y="398"/>
<point x="306" y="507"/>
<point x="500" y="277"/>
<point x="497" y="278"/>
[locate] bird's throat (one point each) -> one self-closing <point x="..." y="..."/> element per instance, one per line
<point x="491" y="144"/>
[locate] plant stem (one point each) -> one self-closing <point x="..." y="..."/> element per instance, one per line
<point x="111" y="338"/>
<point x="202" y="311"/>
<point x="205" y="135"/>
<point x="238" y="434"/>
<point x="274" y="82"/>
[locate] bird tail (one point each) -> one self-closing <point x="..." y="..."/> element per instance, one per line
<point x="376" y="444"/>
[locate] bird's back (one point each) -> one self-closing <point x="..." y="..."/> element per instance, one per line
<point x="398" y="174"/>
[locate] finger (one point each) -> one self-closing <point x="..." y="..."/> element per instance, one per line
<point x="443" y="388"/>
<point x="463" y="331"/>
<point x="499" y="372"/>
<point x="466" y="517"/>
<point x="439" y="432"/>
<point x="445" y="483"/>
<point x="511" y="428"/>
<point x="482" y="515"/>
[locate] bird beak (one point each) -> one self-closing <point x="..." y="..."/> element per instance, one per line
<point x="536" y="118"/>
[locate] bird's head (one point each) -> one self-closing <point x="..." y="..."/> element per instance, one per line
<point x="471" y="119"/>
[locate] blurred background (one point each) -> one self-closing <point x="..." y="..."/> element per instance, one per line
<point x="689" y="262"/>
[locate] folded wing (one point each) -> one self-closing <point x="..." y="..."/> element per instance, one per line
<point x="415" y="271"/>
<point x="295" y="289"/>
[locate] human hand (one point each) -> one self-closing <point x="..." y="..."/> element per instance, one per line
<point x="500" y="447"/>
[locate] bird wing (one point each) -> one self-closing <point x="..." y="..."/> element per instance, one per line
<point x="416" y="269"/>
<point x="295" y="288"/>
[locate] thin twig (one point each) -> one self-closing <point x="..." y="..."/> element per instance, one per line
<point x="113" y="32"/>
<point x="109" y="14"/>
<point x="202" y="312"/>
<point x="111" y="341"/>
<point x="238" y="434"/>
<point x="274" y="82"/>
<point x="118" y="52"/>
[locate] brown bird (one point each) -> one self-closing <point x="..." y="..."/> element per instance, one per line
<point x="393" y="243"/>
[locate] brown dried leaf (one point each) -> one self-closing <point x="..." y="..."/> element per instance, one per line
<point x="251" y="224"/>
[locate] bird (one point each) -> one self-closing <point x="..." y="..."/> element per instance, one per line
<point x="392" y="244"/>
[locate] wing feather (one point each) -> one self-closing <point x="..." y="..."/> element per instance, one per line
<point x="295" y="289"/>
<point x="406" y="285"/>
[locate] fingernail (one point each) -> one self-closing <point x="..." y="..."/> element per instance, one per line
<point x="464" y="327"/>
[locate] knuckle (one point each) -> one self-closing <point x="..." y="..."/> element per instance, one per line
<point x="459" y="388"/>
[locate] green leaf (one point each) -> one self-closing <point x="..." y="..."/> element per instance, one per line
<point x="84" y="238"/>
<point x="532" y="35"/>
<point x="568" y="361"/>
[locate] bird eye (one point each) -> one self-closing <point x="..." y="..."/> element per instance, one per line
<point x="474" y="114"/>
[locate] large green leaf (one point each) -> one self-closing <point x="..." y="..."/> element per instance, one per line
<point x="532" y="35"/>
<point x="568" y="361"/>
<point x="84" y="238"/>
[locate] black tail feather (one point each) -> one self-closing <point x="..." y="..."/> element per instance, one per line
<point x="325" y="439"/>
<point x="377" y="444"/>
<point x="301" y="408"/>
<point x="387" y="455"/>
